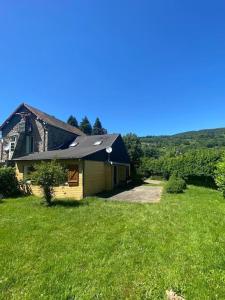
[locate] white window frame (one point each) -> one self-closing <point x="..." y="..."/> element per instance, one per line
<point x="12" y="145"/>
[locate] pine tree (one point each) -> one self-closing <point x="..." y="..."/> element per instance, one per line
<point x="72" y="121"/>
<point x="85" y="126"/>
<point x="98" y="129"/>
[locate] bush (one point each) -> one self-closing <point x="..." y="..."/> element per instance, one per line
<point x="175" y="185"/>
<point x="220" y="175"/>
<point x="48" y="175"/>
<point x="9" y="186"/>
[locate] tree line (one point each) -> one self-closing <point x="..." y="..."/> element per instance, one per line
<point x="86" y="127"/>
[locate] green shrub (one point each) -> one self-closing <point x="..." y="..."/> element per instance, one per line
<point x="196" y="166"/>
<point x="175" y="185"/>
<point x="9" y="186"/>
<point x="48" y="175"/>
<point x="220" y="175"/>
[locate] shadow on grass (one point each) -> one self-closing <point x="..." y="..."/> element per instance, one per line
<point x="70" y="203"/>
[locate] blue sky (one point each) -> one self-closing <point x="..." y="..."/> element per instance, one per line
<point x="150" y="67"/>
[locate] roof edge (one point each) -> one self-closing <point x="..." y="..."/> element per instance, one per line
<point x="11" y="115"/>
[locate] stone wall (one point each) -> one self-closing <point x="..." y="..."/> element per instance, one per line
<point x="11" y="130"/>
<point x="45" y="137"/>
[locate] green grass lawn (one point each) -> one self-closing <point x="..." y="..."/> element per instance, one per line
<point x="112" y="250"/>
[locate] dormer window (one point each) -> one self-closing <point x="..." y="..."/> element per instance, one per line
<point x="74" y="144"/>
<point x="29" y="144"/>
<point x="98" y="143"/>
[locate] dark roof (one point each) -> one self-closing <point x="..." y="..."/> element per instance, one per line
<point x="84" y="148"/>
<point x="47" y="119"/>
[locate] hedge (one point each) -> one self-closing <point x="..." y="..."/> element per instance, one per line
<point x="196" y="167"/>
<point x="9" y="186"/>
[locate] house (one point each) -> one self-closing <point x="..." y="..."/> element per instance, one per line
<point x="95" y="163"/>
<point x="91" y="169"/>
<point x="30" y="130"/>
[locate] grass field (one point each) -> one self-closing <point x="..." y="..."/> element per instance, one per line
<point x="112" y="250"/>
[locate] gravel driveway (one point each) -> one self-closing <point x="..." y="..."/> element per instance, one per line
<point x="141" y="194"/>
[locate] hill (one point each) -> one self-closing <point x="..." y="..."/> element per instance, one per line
<point x="182" y="142"/>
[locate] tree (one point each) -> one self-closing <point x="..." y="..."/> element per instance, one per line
<point x="134" y="149"/>
<point x="72" y="121"/>
<point x="220" y="175"/>
<point x="98" y="129"/>
<point x="85" y="126"/>
<point x="48" y="175"/>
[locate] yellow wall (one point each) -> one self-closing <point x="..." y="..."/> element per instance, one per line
<point x="98" y="177"/>
<point x="61" y="192"/>
<point x="94" y="177"/>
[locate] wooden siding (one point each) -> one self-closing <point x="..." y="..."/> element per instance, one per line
<point x="98" y="177"/>
<point x="94" y="177"/>
<point x="61" y="192"/>
<point x="122" y="174"/>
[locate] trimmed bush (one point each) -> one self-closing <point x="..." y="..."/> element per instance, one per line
<point x="175" y="185"/>
<point x="9" y="186"/>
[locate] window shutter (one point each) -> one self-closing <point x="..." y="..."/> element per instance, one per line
<point x="73" y="175"/>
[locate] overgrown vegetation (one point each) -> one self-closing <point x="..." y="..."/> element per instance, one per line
<point x="48" y="175"/>
<point x="9" y="186"/>
<point x="134" y="150"/>
<point x="113" y="250"/>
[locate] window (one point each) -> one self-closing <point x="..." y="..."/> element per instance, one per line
<point x="73" y="175"/>
<point x="29" y="144"/>
<point x="74" y="144"/>
<point x="12" y="146"/>
<point x="97" y="143"/>
<point x="13" y="140"/>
